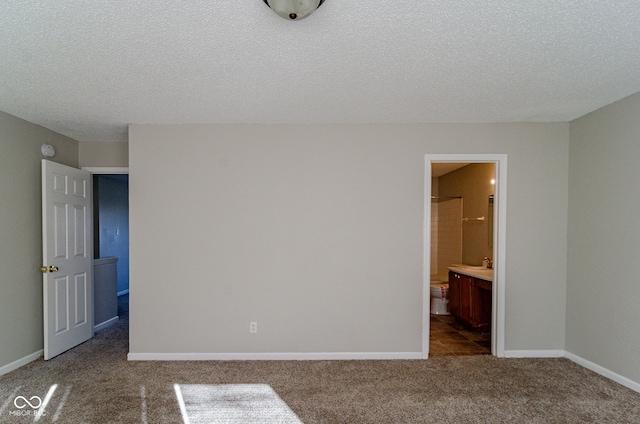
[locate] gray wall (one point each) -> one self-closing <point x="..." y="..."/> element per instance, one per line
<point x="101" y="154"/>
<point x="21" y="232"/>
<point x="603" y="288"/>
<point x="315" y="232"/>
<point x="267" y="174"/>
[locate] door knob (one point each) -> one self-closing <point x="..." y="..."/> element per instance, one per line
<point x="45" y="269"/>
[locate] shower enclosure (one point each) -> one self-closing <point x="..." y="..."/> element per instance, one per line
<point x="446" y="235"/>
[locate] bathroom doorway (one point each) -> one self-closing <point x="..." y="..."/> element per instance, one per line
<point x="480" y="228"/>
<point x="460" y="197"/>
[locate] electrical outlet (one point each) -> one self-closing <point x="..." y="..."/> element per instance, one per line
<point x="253" y="327"/>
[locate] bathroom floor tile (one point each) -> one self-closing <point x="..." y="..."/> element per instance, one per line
<point x="451" y="337"/>
<point x="463" y="353"/>
<point x="459" y="344"/>
<point x="437" y="348"/>
<point x="448" y="337"/>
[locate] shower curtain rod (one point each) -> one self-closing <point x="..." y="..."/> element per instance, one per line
<point x="480" y="218"/>
<point x="440" y="199"/>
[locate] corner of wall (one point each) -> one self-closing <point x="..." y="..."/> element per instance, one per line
<point x="20" y="219"/>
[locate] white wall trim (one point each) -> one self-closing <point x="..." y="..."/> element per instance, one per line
<point x="105" y="324"/>
<point x="321" y="356"/>
<point x="534" y="353"/>
<point x="21" y="362"/>
<point x="633" y="385"/>
<point x="123" y="292"/>
<point x="598" y="369"/>
<point x="106" y="170"/>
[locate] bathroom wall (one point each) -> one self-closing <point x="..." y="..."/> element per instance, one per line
<point x="473" y="184"/>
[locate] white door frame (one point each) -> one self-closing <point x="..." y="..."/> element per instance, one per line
<point x="499" y="246"/>
<point x="106" y="170"/>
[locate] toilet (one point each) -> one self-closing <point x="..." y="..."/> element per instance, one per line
<point x="439" y="298"/>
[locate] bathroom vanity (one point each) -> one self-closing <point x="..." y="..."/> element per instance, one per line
<point x="470" y="296"/>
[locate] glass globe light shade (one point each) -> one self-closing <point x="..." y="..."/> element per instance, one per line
<point x="294" y="9"/>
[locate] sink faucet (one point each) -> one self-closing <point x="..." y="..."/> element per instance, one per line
<point x="487" y="263"/>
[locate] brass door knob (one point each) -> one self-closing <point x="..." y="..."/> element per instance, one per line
<point x="44" y="269"/>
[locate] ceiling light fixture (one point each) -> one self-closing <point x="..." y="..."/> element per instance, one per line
<point x="294" y="10"/>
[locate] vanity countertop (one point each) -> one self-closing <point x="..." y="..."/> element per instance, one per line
<point x="473" y="271"/>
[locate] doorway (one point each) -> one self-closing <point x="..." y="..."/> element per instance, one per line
<point x="111" y="242"/>
<point x="460" y="308"/>
<point x="111" y="223"/>
<point x="498" y="241"/>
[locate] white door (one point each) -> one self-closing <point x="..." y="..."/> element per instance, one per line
<point x="67" y="251"/>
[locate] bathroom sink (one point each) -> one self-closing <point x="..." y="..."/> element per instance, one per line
<point x="474" y="267"/>
<point x="473" y="271"/>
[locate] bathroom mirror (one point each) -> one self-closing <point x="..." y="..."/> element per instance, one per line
<point x="490" y="221"/>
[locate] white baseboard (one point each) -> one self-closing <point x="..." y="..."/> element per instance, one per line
<point x="272" y="356"/>
<point x="105" y="324"/>
<point x="120" y="293"/>
<point x="633" y="385"/>
<point x="534" y="353"/>
<point x="21" y="362"/>
<point x="372" y="356"/>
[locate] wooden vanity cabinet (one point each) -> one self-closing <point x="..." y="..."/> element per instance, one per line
<point x="481" y="305"/>
<point x="454" y="294"/>
<point x="470" y="300"/>
<point x="466" y="289"/>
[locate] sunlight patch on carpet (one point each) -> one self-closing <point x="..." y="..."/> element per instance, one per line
<point x="232" y="404"/>
<point x="56" y="416"/>
<point x="45" y="402"/>
<point x="143" y="405"/>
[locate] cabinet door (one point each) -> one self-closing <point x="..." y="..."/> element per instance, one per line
<point x="454" y="294"/>
<point x="481" y="305"/>
<point x="466" y="283"/>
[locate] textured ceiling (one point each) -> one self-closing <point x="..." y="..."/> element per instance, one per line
<point x="88" y="68"/>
